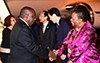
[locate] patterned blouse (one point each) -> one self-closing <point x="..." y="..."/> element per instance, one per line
<point x="81" y="45"/>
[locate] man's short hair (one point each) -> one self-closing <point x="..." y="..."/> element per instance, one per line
<point x="23" y="11"/>
<point x="46" y="14"/>
<point x="54" y="11"/>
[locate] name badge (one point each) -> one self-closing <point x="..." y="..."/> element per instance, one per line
<point x="69" y="50"/>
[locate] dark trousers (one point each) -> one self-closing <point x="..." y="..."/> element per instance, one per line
<point x="4" y="57"/>
<point x="47" y="61"/>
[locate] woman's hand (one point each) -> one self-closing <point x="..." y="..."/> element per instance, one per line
<point x="63" y="57"/>
<point x="69" y="61"/>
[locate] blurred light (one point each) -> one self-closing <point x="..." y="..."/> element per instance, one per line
<point x="91" y="12"/>
<point x="81" y="4"/>
<point x="3" y="10"/>
<point x="3" y="13"/>
<point x="69" y="6"/>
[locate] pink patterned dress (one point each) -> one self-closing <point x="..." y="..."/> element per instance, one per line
<point x="81" y="45"/>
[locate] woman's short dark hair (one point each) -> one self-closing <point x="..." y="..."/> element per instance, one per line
<point x="7" y="20"/>
<point x="82" y="12"/>
<point x="54" y="11"/>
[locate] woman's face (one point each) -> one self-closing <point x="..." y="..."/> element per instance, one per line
<point x="13" y="21"/>
<point x="74" y="20"/>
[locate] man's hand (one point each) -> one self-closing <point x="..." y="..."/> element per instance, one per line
<point x="52" y="55"/>
<point x="55" y="52"/>
<point x="50" y="59"/>
<point x="69" y="61"/>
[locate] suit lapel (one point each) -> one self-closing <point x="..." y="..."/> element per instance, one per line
<point x="27" y="27"/>
<point x="47" y="27"/>
<point x="41" y="32"/>
<point x="46" y="31"/>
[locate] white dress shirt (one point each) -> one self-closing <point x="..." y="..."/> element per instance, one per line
<point x="44" y="26"/>
<point x="24" y="21"/>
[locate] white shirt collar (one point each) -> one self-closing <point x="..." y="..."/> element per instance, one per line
<point x="45" y="25"/>
<point x="58" y="21"/>
<point x="24" y="21"/>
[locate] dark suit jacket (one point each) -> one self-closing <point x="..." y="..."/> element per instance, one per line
<point x="62" y="31"/>
<point x="49" y="36"/>
<point x="24" y="48"/>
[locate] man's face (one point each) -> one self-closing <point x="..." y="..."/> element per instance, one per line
<point x="42" y="18"/>
<point x="31" y="18"/>
<point x="52" y="18"/>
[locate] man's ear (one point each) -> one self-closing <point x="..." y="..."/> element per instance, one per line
<point x="46" y="17"/>
<point x="25" y="17"/>
<point x="54" y="15"/>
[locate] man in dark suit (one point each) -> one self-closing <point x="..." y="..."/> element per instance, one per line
<point x="24" y="48"/>
<point x="62" y="28"/>
<point x="47" y="33"/>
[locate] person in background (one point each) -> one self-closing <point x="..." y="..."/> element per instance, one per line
<point x="80" y="41"/>
<point x="9" y="22"/>
<point x="35" y="30"/>
<point x="62" y="28"/>
<point x="24" y="47"/>
<point x="47" y="33"/>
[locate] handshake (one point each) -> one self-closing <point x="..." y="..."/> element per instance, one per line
<point x="52" y="55"/>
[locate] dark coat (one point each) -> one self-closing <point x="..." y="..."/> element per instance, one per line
<point x="62" y="32"/>
<point x="49" y="36"/>
<point x="24" y="48"/>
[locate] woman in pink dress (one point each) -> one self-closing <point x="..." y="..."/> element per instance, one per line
<point x="80" y="41"/>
